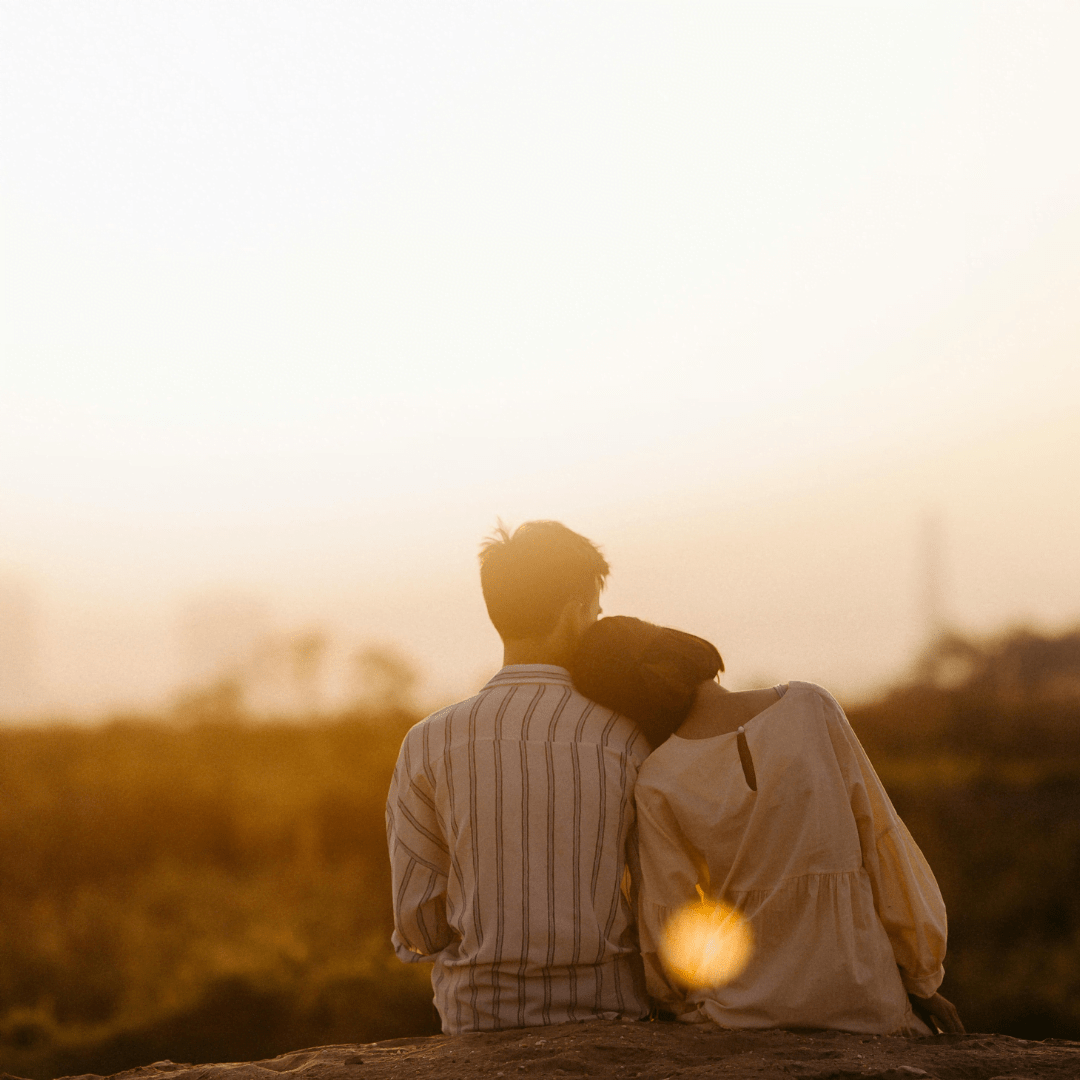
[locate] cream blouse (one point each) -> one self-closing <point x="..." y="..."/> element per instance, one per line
<point x="845" y="913"/>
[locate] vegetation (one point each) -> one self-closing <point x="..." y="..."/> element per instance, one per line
<point x="202" y="887"/>
<point x="981" y="755"/>
<point x="208" y="889"/>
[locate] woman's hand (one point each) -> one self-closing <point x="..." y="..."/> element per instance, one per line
<point x="937" y="1012"/>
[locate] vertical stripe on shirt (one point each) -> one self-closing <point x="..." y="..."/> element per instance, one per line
<point x="500" y="885"/>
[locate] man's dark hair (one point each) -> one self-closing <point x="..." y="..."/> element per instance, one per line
<point x="648" y="673"/>
<point x="529" y="577"/>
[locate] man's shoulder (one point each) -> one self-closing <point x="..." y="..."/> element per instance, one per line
<point x="440" y="717"/>
<point x="438" y="720"/>
<point x="581" y="719"/>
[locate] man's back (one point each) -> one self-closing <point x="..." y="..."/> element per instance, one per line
<point x="508" y="819"/>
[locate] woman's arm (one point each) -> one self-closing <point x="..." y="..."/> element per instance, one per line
<point x="669" y="878"/>
<point x="906" y="894"/>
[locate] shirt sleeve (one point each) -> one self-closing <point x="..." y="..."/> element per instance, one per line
<point x="419" y="863"/>
<point x="906" y="894"/>
<point x="670" y="874"/>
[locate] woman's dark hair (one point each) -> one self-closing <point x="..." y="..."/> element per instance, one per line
<point x="648" y="673"/>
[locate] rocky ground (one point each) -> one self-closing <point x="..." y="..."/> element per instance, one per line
<point x="651" y="1052"/>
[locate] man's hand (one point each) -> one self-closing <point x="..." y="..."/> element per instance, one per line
<point x="937" y="1013"/>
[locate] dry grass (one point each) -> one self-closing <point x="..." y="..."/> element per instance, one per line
<point x="203" y="888"/>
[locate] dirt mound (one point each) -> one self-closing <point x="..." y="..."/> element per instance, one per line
<point x="652" y="1052"/>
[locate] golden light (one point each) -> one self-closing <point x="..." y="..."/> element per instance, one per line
<point x="707" y="943"/>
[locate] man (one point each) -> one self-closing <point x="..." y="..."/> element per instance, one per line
<point x="509" y="814"/>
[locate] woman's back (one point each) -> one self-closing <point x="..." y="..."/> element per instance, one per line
<point x="801" y="857"/>
<point x="717" y="711"/>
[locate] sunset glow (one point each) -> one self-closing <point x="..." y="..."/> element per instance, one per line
<point x="706" y="944"/>
<point x="297" y="303"/>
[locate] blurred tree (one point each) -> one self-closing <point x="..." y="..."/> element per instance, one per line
<point x="221" y="702"/>
<point x="1022" y="666"/>
<point x="384" y="680"/>
<point x="308" y="651"/>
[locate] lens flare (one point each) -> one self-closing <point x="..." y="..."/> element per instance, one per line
<point x="706" y="944"/>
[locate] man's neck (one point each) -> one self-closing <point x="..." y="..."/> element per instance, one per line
<point x="525" y="651"/>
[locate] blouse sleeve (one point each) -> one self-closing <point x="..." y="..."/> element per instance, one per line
<point x="669" y="877"/>
<point x="906" y="895"/>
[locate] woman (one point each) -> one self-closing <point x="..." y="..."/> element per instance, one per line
<point x="765" y="800"/>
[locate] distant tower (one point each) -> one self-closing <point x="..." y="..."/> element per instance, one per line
<point x="932" y="579"/>
<point x="18" y="651"/>
<point x="928" y="667"/>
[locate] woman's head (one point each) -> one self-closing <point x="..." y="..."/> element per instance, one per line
<point x="648" y="673"/>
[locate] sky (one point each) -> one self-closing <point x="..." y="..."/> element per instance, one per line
<point x="299" y="298"/>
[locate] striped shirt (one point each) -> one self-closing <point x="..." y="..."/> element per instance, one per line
<point x="509" y="820"/>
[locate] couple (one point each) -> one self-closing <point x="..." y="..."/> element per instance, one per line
<point x="522" y="869"/>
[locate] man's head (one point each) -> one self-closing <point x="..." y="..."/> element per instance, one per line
<point x="541" y="582"/>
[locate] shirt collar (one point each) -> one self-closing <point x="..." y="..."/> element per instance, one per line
<point x="530" y="673"/>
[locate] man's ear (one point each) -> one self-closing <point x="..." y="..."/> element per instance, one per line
<point x="569" y="617"/>
<point x="568" y="613"/>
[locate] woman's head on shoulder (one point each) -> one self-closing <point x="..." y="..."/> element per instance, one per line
<point x="649" y="673"/>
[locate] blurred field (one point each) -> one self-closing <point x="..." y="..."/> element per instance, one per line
<point x="982" y="758"/>
<point x="202" y="887"/>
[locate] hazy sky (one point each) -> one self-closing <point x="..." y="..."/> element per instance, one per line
<point x="298" y="297"/>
